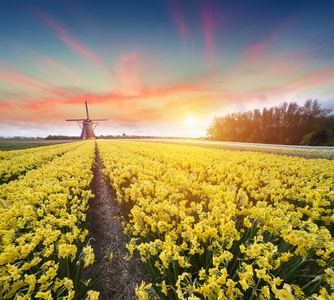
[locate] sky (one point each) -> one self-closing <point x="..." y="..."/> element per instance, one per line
<point x="158" y="67"/>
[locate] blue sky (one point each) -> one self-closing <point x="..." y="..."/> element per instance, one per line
<point x="158" y="67"/>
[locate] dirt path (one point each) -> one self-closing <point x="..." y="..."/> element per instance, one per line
<point x="118" y="278"/>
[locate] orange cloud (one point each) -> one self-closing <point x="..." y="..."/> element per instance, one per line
<point x="148" y="105"/>
<point x="73" y="100"/>
<point x="141" y="95"/>
<point x="6" y="106"/>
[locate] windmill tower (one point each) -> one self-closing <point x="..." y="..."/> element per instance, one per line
<point x="87" y="126"/>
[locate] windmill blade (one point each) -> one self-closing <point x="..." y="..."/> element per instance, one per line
<point x="87" y="110"/>
<point x="76" y="120"/>
<point x="99" y="120"/>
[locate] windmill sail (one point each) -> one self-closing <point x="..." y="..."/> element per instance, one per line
<point x="87" y="126"/>
<point x="87" y="110"/>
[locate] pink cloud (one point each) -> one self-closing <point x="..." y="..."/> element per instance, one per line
<point x="142" y="82"/>
<point x="132" y="106"/>
<point x="6" y="106"/>
<point x="45" y="60"/>
<point x="25" y="83"/>
<point x="82" y="49"/>
<point x="182" y="27"/>
<point x="131" y="70"/>
<point x="316" y="82"/>
<point x="122" y="121"/>
<point x="84" y="17"/>
<point x="207" y="31"/>
<point x="140" y="75"/>
<point x="256" y="50"/>
<point x="286" y="68"/>
<point x="146" y="115"/>
<point x="73" y="43"/>
<point x="309" y="80"/>
<point x="20" y="48"/>
<point x="12" y="72"/>
<point x="60" y="67"/>
<point x="256" y="55"/>
<point x="73" y="100"/>
<point x="281" y="28"/>
<point x="41" y="67"/>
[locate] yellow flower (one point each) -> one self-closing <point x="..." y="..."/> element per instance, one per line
<point x="298" y="291"/>
<point x="265" y="292"/>
<point x="89" y="255"/>
<point x="285" y="293"/>
<point x="141" y="292"/>
<point x="71" y="295"/>
<point x="68" y="283"/>
<point x="63" y="250"/>
<point x="222" y="278"/>
<point x="201" y="274"/>
<point x="324" y="295"/>
<point x="187" y="201"/>
<point x="14" y="271"/>
<point x="277" y="280"/>
<point x="52" y="272"/>
<point x="92" y="295"/>
<point x="31" y="280"/>
<point x="260" y="273"/>
<point x="164" y="288"/>
<point x="247" y="223"/>
<point x="44" y="295"/>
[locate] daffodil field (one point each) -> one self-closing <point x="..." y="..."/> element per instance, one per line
<point x="207" y="223"/>
<point x="44" y="196"/>
<point x="212" y="224"/>
<point x="17" y="162"/>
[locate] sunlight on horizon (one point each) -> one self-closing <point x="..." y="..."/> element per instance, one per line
<point x="191" y="121"/>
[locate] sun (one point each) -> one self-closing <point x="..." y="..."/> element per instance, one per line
<point x="190" y="121"/>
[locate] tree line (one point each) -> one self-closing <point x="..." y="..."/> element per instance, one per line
<point x="61" y="137"/>
<point x="287" y="123"/>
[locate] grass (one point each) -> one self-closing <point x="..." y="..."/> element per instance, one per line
<point x="17" y="145"/>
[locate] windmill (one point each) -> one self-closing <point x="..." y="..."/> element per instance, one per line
<point x="87" y="126"/>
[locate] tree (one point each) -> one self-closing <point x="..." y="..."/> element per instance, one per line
<point x="318" y="137"/>
<point x="313" y="115"/>
<point x="287" y="123"/>
<point x="278" y="122"/>
<point x="291" y="122"/>
<point x="216" y="130"/>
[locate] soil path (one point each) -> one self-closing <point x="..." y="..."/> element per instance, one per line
<point x="117" y="277"/>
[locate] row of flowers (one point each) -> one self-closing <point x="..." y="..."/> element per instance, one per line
<point x="212" y="224"/>
<point x="17" y="162"/>
<point x="42" y="225"/>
